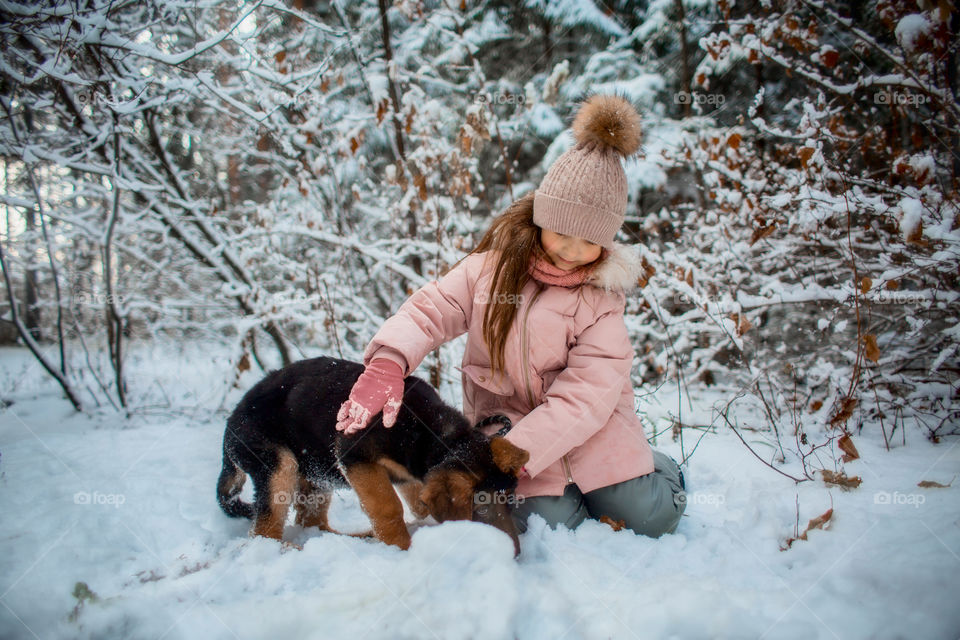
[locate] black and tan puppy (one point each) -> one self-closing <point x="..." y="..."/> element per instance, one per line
<point x="283" y="434"/>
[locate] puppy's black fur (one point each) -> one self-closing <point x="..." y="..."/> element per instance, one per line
<point x="282" y="433"/>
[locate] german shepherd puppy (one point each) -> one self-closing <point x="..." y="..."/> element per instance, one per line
<point x="283" y="433"/>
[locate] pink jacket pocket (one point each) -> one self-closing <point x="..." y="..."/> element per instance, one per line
<point x="483" y="377"/>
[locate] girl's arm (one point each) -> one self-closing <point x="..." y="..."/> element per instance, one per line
<point x="582" y="397"/>
<point x="436" y="313"/>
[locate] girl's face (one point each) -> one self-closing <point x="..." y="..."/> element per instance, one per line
<point x="568" y="252"/>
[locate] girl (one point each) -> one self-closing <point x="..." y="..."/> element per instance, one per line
<point x="541" y="300"/>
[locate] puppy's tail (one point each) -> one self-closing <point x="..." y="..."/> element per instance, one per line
<point x="229" y="486"/>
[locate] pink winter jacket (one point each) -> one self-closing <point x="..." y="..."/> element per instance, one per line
<point x="567" y="386"/>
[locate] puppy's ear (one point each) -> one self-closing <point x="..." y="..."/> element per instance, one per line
<point x="448" y="495"/>
<point x="508" y="457"/>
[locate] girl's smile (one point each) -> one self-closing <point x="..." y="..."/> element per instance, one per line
<point x="568" y="252"/>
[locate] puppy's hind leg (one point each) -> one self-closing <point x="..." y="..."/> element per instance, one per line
<point x="312" y="505"/>
<point x="410" y="490"/>
<point x="231" y="481"/>
<point x="275" y="489"/>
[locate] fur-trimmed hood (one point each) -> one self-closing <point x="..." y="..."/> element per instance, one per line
<point x="619" y="271"/>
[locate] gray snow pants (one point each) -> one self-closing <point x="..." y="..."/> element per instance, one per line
<point x="650" y="505"/>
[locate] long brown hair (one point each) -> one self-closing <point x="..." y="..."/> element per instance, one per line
<point x="513" y="239"/>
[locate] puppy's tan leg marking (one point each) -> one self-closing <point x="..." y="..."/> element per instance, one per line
<point x="407" y="486"/>
<point x="380" y="502"/>
<point x="397" y="472"/>
<point x="312" y="505"/>
<point x="282" y="485"/>
<point x="411" y="495"/>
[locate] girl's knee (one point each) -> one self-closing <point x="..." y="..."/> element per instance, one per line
<point x="663" y="522"/>
<point x="567" y="509"/>
<point x="650" y="505"/>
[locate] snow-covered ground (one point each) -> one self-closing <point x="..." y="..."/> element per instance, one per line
<point x="110" y="529"/>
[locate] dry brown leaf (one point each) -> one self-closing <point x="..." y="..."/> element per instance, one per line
<point x="648" y="268"/>
<point x="734" y="140"/>
<point x="408" y="123"/>
<point x="818" y="522"/>
<point x="815" y="523"/>
<point x="420" y="181"/>
<point x="871" y="350"/>
<point x="762" y="232"/>
<point x="830" y="58"/>
<point x="930" y="484"/>
<point x="381" y="110"/>
<point x="743" y="325"/>
<point x="805" y="154"/>
<point x="616" y="525"/>
<point x="865" y="285"/>
<point x="841" y="479"/>
<point x="916" y="236"/>
<point x="844" y="412"/>
<point x="846" y="445"/>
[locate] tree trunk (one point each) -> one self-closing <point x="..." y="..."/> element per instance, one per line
<point x="416" y="263"/>
<point x="684" y="58"/>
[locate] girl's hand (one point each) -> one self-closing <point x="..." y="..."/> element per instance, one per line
<point x="379" y="387"/>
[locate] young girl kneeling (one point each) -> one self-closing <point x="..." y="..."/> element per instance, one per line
<point x="541" y="300"/>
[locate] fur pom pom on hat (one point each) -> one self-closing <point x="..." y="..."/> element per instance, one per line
<point x="584" y="193"/>
<point x="608" y="121"/>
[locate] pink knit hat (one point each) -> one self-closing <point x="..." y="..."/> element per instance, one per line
<point x="584" y="194"/>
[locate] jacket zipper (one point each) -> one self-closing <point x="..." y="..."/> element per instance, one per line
<point x="565" y="462"/>
<point x="566" y="468"/>
<point x="524" y="361"/>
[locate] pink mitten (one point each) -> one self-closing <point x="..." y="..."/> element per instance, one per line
<point x="380" y="386"/>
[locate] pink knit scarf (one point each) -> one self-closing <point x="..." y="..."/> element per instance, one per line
<point x="546" y="272"/>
